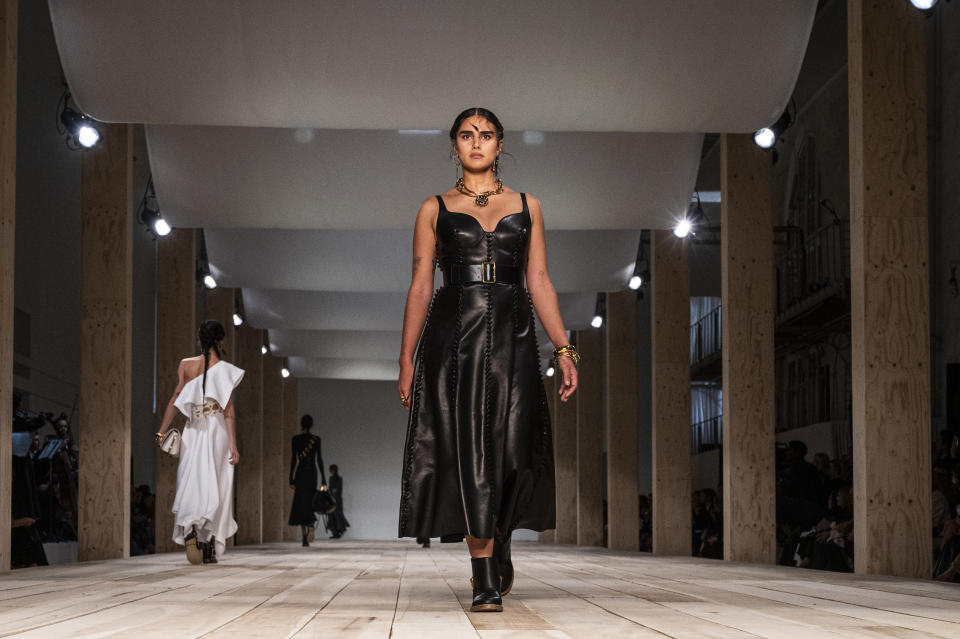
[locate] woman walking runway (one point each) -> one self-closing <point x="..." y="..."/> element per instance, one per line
<point x="478" y="460"/>
<point x="203" y="506"/>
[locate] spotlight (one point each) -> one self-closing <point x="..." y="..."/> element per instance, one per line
<point x="550" y="371"/>
<point x="285" y="372"/>
<point x="263" y="350"/>
<point x="768" y="135"/>
<point x="80" y="129"/>
<point x="641" y="266"/>
<point x="150" y="214"/>
<point x="237" y="320"/>
<point x="923" y="5"/>
<point x="155" y="221"/>
<point x="694" y="218"/>
<point x="209" y="282"/>
<point x="599" y="310"/>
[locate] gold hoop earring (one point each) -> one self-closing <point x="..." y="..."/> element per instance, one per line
<point x="456" y="168"/>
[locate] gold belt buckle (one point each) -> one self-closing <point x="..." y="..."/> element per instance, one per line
<point x="488" y="272"/>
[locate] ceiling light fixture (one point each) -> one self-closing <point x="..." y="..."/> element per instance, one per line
<point x="767" y="137"/>
<point x="203" y="267"/>
<point x="694" y="218"/>
<point x="599" y="310"/>
<point x="641" y="266"/>
<point x="80" y="130"/>
<point x="149" y="212"/>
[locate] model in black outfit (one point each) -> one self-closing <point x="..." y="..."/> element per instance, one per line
<point x="303" y="478"/>
<point x="337" y="523"/>
<point x="479" y="454"/>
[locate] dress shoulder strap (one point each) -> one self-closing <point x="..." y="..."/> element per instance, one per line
<point x="523" y="198"/>
<point x="443" y="207"/>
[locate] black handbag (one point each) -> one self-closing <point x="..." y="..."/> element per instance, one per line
<point x="323" y="501"/>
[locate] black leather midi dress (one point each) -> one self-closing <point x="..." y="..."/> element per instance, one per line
<point x="479" y="453"/>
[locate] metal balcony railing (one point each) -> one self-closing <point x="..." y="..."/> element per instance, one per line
<point x="812" y="264"/>
<point x="706" y="336"/>
<point x="706" y="435"/>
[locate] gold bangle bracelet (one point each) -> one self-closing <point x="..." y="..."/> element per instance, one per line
<point x="566" y="351"/>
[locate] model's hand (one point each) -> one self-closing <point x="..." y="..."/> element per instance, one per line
<point x="234" y="458"/>
<point x="405" y="383"/>
<point x="569" y="383"/>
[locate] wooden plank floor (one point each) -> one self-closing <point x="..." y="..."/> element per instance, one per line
<point x="396" y="589"/>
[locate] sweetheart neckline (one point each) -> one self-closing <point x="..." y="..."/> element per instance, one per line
<point x="495" y="227"/>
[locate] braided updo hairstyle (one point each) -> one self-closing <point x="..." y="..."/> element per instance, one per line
<point x="209" y="335"/>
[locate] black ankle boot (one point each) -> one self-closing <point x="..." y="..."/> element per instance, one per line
<point x="210" y="551"/>
<point x="501" y="550"/>
<point x="485" y="582"/>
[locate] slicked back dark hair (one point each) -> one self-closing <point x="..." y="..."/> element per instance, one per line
<point x="487" y="114"/>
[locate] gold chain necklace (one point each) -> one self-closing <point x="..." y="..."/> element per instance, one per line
<point x="482" y="198"/>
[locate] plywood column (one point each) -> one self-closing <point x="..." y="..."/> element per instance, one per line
<point x="176" y="339"/>
<point x="274" y="481"/>
<point x="105" y="348"/>
<point x="746" y="238"/>
<point x="589" y="401"/>
<point x="670" y="367"/>
<point x="550" y="386"/>
<point x="889" y="286"/>
<point x="249" y="407"/>
<point x="291" y="427"/>
<point x="565" y="464"/>
<point x="8" y="181"/>
<point x="623" y="508"/>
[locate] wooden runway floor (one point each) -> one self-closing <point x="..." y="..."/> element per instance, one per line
<point x="396" y="589"/>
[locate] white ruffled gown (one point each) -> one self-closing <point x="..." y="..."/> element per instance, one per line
<point x="205" y="476"/>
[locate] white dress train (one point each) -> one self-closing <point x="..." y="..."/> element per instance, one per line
<point x="205" y="476"/>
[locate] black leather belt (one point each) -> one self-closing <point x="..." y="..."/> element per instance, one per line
<point x="485" y="273"/>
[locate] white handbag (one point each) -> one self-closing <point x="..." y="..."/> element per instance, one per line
<point x="170" y="443"/>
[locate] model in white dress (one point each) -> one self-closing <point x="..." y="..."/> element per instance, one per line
<point x="205" y="475"/>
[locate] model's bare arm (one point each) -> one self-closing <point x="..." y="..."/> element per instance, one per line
<point x="171" y="411"/>
<point x="230" y="417"/>
<point x="544" y="296"/>
<point x="420" y="292"/>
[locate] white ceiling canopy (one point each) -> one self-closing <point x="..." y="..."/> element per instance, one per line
<point x="321" y="179"/>
<point x="350" y="368"/>
<point x="379" y="261"/>
<point x="366" y="345"/>
<point x="604" y="65"/>
<point x="319" y="310"/>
